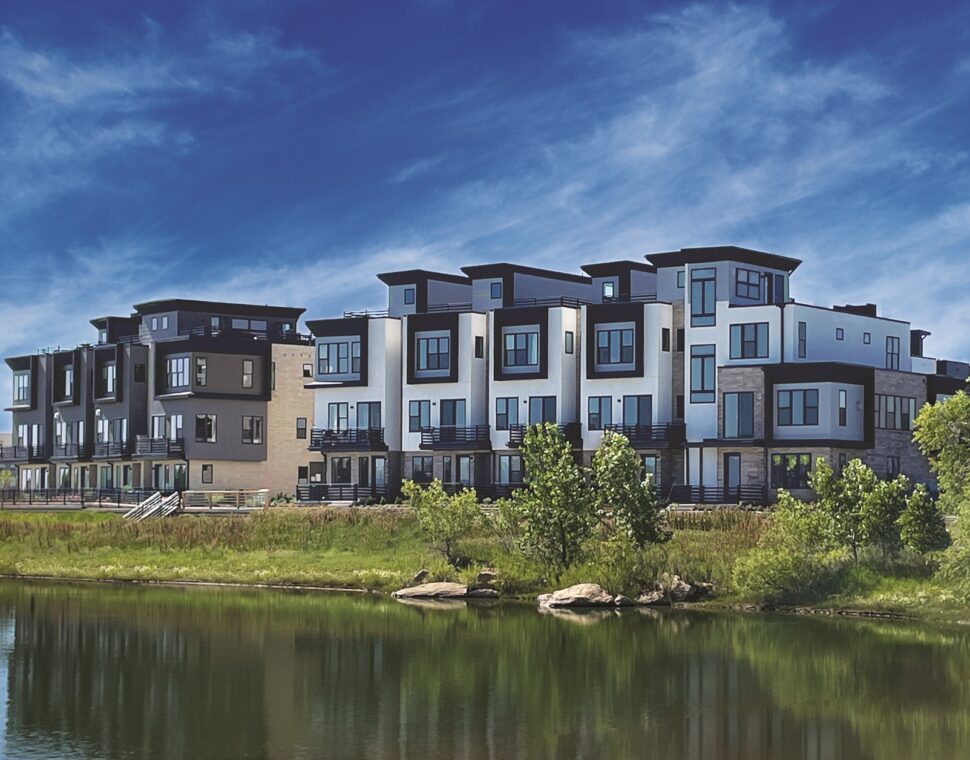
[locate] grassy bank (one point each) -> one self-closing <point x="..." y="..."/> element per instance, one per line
<point x="380" y="549"/>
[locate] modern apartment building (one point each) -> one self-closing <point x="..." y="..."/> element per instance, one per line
<point x="180" y="395"/>
<point x="726" y="387"/>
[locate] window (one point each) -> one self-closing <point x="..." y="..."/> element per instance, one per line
<point x="702" y="374"/>
<point x="205" y="428"/>
<point x="509" y="469"/>
<point x="167" y="427"/>
<point x="240" y="324"/>
<point x="337" y="415"/>
<point x="21" y="387"/>
<point x="798" y="407"/>
<point x="867" y="338"/>
<point x="252" y="430"/>
<point x="892" y="352"/>
<point x="165" y="322"/>
<point x="452" y="412"/>
<point x="680" y="279"/>
<point x="138" y="374"/>
<point x="479" y="347"/>
<point x="272" y="376"/>
<point x="102" y="336"/>
<point x="154" y="324"/>
<point x="307" y="370"/>
<point x="894" y="412"/>
<point x="843" y="461"/>
<point x="338" y="357"/>
<point x="614" y="346"/>
<point x="464" y="462"/>
<point x="303" y="475"/>
<point x="67" y="382"/>
<point x="609" y="290"/>
<point x="522" y="349"/>
<point x="214" y="323"/>
<point x="790" y="470"/>
<point x="839" y="333"/>
<point x="802" y="340"/>
<point x="892" y="467"/>
<point x="738" y="415"/>
<point x="680" y="339"/>
<point x="495" y="290"/>
<point x="749" y="341"/>
<point x="409" y="296"/>
<point x="570" y="342"/>
<point x="422" y="469"/>
<point x="340" y="471"/>
<point x="207" y="473"/>
<point x="600" y="412"/>
<point x="446" y="474"/>
<point x="201" y="364"/>
<point x="651" y="468"/>
<point x="679" y="414"/>
<point x="369" y="415"/>
<point x="301" y="426"/>
<point x="419" y="416"/>
<point x="247" y="373"/>
<point x="843" y="407"/>
<point x="506" y="413"/>
<point x="542" y="409"/>
<point x="638" y="411"/>
<point x="747" y="284"/>
<point x="177" y="371"/>
<point x="108" y="378"/>
<point x="434" y="353"/>
<point x="703" y="285"/>
<point x="664" y="338"/>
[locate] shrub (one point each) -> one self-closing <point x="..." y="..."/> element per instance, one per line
<point x="444" y="519"/>
<point x="881" y="510"/>
<point x="921" y="525"/>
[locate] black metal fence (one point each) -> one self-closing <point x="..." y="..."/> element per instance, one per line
<point x="103" y="497"/>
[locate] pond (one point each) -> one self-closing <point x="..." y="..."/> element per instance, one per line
<point x="113" y="671"/>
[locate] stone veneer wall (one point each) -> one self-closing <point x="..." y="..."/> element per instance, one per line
<point x="676" y="359"/>
<point x="899" y="443"/>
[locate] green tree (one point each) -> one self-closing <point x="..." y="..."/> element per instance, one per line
<point x="556" y="504"/>
<point x="444" y="518"/>
<point x="841" y="499"/>
<point x="7" y="479"/>
<point x="881" y="510"/>
<point x="637" y="511"/>
<point x="922" y="527"/>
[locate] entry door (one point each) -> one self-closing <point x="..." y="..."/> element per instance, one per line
<point x="732" y="471"/>
<point x="363" y="472"/>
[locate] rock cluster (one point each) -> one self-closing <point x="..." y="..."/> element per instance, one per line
<point x="669" y="590"/>
<point x="480" y="589"/>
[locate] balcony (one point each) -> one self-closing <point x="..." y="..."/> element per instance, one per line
<point x="571" y="431"/>
<point x="651" y="436"/>
<point x="450" y="437"/>
<point x="352" y="439"/>
<point x="112" y="450"/>
<point x="159" y="448"/>
<point x="33" y="453"/>
<point x="748" y="494"/>
<point x="70" y="451"/>
<point x="338" y="492"/>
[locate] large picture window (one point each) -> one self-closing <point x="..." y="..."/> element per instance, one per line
<point x="509" y="469"/>
<point x="749" y="341"/>
<point x="798" y="407"/>
<point x="738" y="415"/>
<point x="702" y="369"/>
<point x="638" y="411"/>
<point x="522" y="349"/>
<point x="703" y="293"/>
<point x="894" y="412"/>
<point x="338" y="357"/>
<point x="177" y="371"/>
<point x="614" y="346"/>
<point x="434" y="353"/>
<point x="790" y="471"/>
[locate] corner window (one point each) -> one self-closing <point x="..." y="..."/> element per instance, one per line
<point x="177" y="372"/>
<point x="207" y="473"/>
<point x="798" y="407"/>
<point x="609" y="290"/>
<point x="600" y="412"/>
<point x="892" y="352"/>
<point x="702" y="371"/>
<point x="67" y="382"/>
<point x="749" y="341"/>
<point x="747" y="284"/>
<point x="108" y="379"/>
<point x="409" y="296"/>
<point x="252" y="430"/>
<point x="506" y="413"/>
<point x="738" y="415"/>
<point x="205" y="428"/>
<point x="495" y="290"/>
<point x="21" y="387"/>
<point x="301" y="428"/>
<point x="201" y="364"/>
<point x="247" y="373"/>
<point x="570" y="341"/>
<point x="703" y="294"/>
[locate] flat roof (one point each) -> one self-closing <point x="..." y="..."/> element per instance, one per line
<point x="711" y="254"/>
<point x="488" y="271"/>
<point x="219" y="307"/>
<point x="607" y="268"/>
<point x="413" y="276"/>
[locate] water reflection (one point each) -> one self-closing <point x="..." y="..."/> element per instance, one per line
<point x="120" y="672"/>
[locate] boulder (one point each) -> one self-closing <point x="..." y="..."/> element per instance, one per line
<point x="580" y="595"/>
<point x="482" y="593"/>
<point x="433" y="591"/>
<point x="679" y="590"/>
<point x="653" y="598"/>
<point x="702" y="589"/>
<point x="486" y="577"/>
<point x="623" y="601"/>
<point x="417" y="578"/>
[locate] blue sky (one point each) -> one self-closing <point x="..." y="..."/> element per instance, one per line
<point x="284" y="152"/>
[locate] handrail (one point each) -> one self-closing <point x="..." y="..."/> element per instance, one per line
<point x="348" y="438"/>
<point x="141" y="508"/>
<point x="571" y="431"/>
<point x="670" y="431"/>
<point x="452" y="436"/>
<point x="240" y="499"/>
<point x="570" y="301"/>
<point x="742" y="494"/>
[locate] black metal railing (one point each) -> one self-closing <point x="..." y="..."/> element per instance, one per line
<point x="504" y="490"/>
<point x="339" y="492"/>
<point x="651" y="435"/>
<point x="70" y="451"/>
<point x="631" y="298"/>
<point x="352" y="439"/>
<point x="162" y="448"/>
<point x="439" y="307"/>
<point x="746" y="494"/>
<point x="371" y="313"/>
<point x="452" y="437"/>
<point x="16" y="453"/>
<point x="571" y="431"/>
<point x="570" y="301"/>
<point x="102" y="497"/>
<point x="276" y="336"/>
<point x="112" y="449"/>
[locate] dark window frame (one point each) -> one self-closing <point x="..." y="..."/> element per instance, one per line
<point x="743" y="418"/>
<point x="254" y="435"/>
<point x="743" y="284"/>
<point x="703" y="368"/>
<point x="791" y="471"/>
<point x="433" y="353"/>
<point x="301" y="429"/>
<point x="892" y="351"/>
<point x="802" y="340"/>
<point x="205" y="428"/>
<point x="495" y="291"/>
<point x="749" y="340"/>
<point x="623" y="339"/>
<point x="595" y="408"/>
<point x="423" y="415"/>
<point x="703" y="297"/>
<point x="787" y="405"/>
<point x="503" y="419"/>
